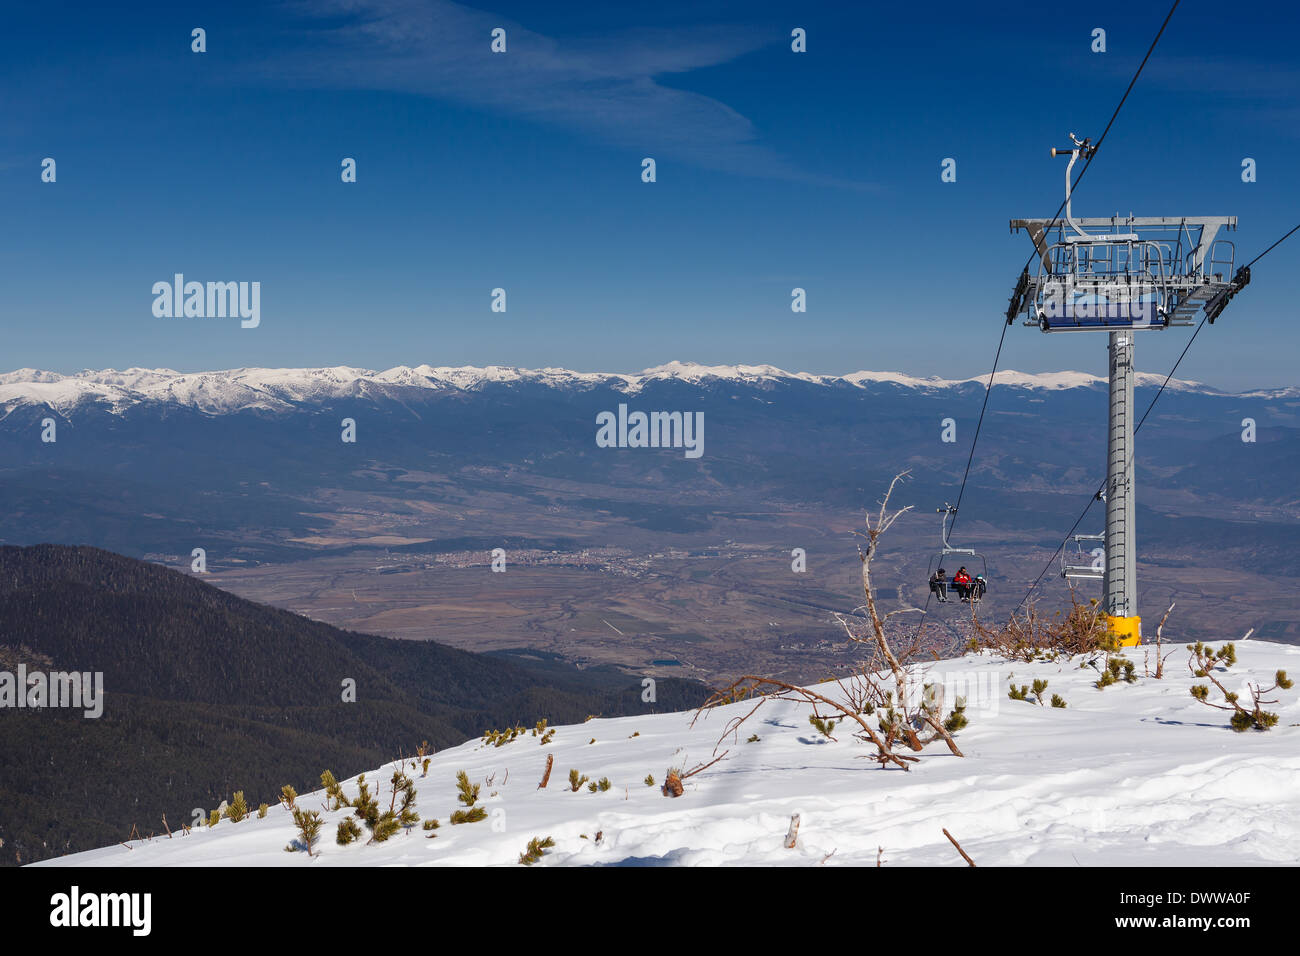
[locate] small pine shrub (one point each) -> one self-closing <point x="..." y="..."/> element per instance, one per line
<point x="424" y="768"/>
<point x="261" y="811"/>
<point x="499" y="738"/>
<point x="576" y="781"/>
<point x="1242" y="721"/>
<point x="365" y="807"/>
<point x="957" y="720"/>
<point x="288" y="795"/>
<point x="468" y="792"/>
<point x="1019" y="693"/>
<point x="309" y="824"/>
<point x="214" y="818"/>
<point x="1207" y="657"/>
<point x="472" y="815"/>
<point x="430" y="825"/>
<point x="824" y="727"/>
<point x="404" y="789"/>
<point x="334" y="790"/>
<point x="1058" y="700"/>
<point x="1117" y="669"/>
<point x="386" y="826"/>
<point x="649" y="780"/>
<point x="1039" y="687"/>
<point x="536" y="848"/>
<point x="546" y="733"/>
<point x="753" y="739"/>
<point x="1202" y="663"/>
<point x="347" y="832"/>
<point x="238" y="808"/>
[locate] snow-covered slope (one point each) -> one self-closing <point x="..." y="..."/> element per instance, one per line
<point x="266" y="389"/>
<point x="1135" y="774"/>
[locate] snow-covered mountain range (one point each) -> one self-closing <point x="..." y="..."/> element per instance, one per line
<point x="272" y="390"/>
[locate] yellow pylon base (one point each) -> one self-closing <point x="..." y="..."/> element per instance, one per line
<point x="1127" y="629"/>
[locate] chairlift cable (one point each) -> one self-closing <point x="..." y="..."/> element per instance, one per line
<point x="1092" y="152"/>
<point x="1272" y="247"/>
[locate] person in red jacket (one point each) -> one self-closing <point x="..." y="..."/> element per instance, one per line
<point x="961" y="581"/>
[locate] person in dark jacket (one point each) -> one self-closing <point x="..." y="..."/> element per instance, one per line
<point x="939" y="586"/>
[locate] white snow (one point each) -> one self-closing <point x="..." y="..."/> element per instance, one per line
<point x="230" y="390"/>
<point x="1136" y="774"/>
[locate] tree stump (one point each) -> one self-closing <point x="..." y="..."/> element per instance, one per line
<point x="673" y="785"/>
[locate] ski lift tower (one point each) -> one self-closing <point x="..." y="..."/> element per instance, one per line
<point x="1123" y="275"/>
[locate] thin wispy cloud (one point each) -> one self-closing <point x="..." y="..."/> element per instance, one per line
<point x="1253" y="89"/>
<point x="607" y="87"/>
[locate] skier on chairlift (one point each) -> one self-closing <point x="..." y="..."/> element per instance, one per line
<point x="962" y="582"/>
<point x="939" y="586"/>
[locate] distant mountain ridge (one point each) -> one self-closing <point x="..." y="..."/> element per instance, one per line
<point x="278" y="390"/>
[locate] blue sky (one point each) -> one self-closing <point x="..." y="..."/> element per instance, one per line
<point x="522" y="170"/>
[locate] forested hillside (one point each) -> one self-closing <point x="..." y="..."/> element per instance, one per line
<point x="206" y="693"/>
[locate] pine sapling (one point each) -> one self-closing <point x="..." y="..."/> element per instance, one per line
<point x="957" y="719"/>
<point x="238" y="808"/>
<point x="1039" y="687"/>
<point x="536" y="848"/>
<point x="472" y="815"/>
<point x="347" y="832"/>
<point x="309" y="824"/>
<point x="405" y="787"/>
<point x="385" y="827"/>
<point x="365" y="807"/>
<point x="468" y="792"/>
<point x="824" y="727"/>
<point x="1202" y="663"/>
<point x="334" y="790"/>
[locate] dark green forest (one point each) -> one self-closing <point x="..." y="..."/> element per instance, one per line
<point x="206" y="693"/>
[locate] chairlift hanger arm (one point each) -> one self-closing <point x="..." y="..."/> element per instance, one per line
<point x="1214" y="308"/>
